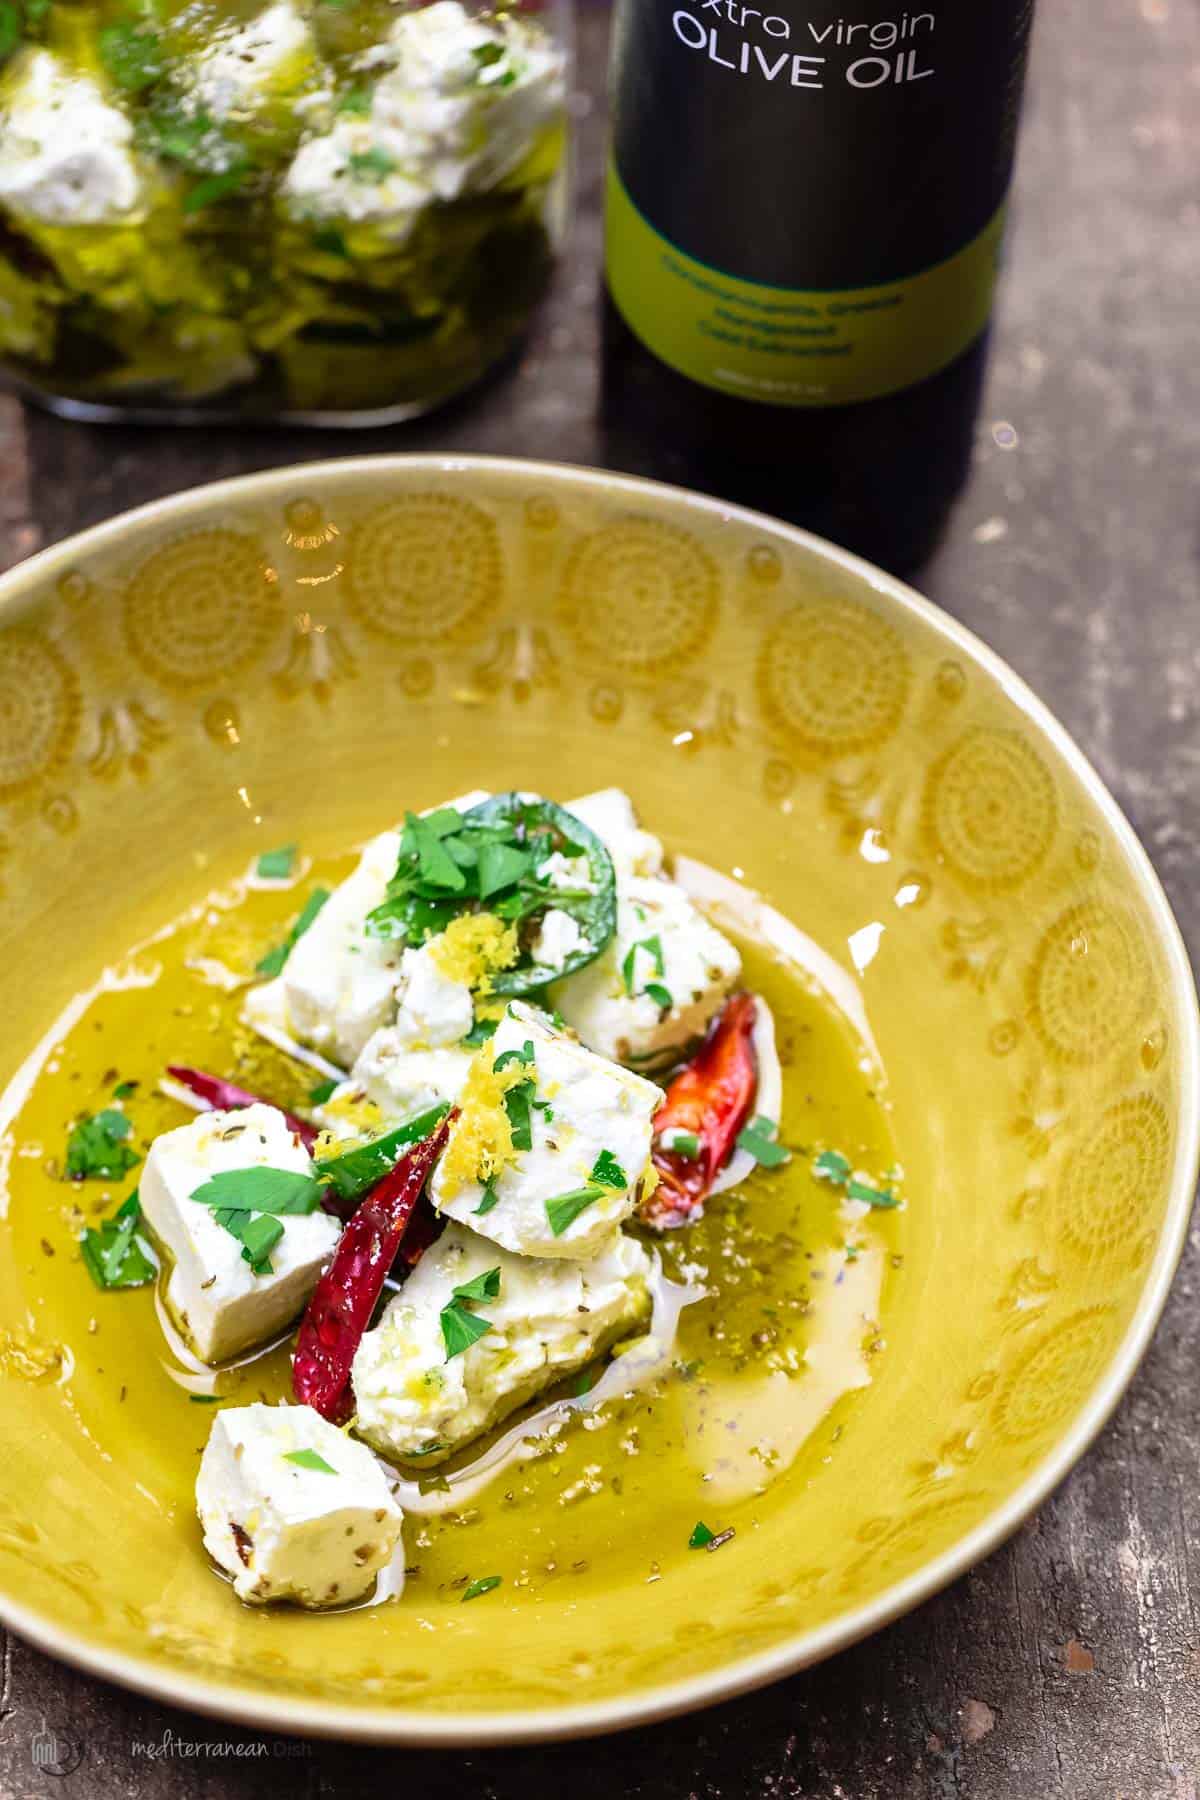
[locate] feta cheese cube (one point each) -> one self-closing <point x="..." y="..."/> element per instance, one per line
<point x="338" y="984"/>
<point x="549" y="1318"/>
<point x="402" y="1082"/>
<point x="269" y="57"/>
<point x="434" y="1009"/>
<point x="220" y="1304"/>
<point x="581" y="1109"/>
<point x="558" y="936"/>
<point x="661" y="941"/>
<point x="66" y="153"/>
<point x="316" y="1531"/>
<point x="609" y="813"/>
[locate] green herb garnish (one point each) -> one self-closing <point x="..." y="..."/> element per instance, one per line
<point x="276" y="865"/>
<point x="681" y="1143"/>
<point x="833" y="1167"/>
<point x="608" y="1172"/>
<point x="607" y="1175"/>
<point x="483" y="1585"/>
<point x="324" y="1091"/>
<point x="10" y="28"/>
<point x="309" y="1459"/>
<point x="273" y="962"/>
<point x="758" y="1140"/>
<point x="262" y="1190"/>
<point x="204" y="1399"/>
<point x="701" y="1536"/>
<point x="124" y="1090"/>
<point x="487" y="859"/>
<point x="488" y="1199"/>
<point x="480" y="1032"/>
<point x="661" y="996"/>
<point x="216" y="187"/>
<point x="96" y="1148"/>
<point x="131" y="55"/>
<point x="653" y="948"/>
<point x="882" y="1199"/>
<point x="354" y="1171"/>
<point x="113" y="1255"/>
<point x="373" y="165"/>
<point x="355" y="103"/>
<point x="460" y="1327"/>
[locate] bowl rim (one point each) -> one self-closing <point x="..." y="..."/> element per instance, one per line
<point x="259" y="1709"/>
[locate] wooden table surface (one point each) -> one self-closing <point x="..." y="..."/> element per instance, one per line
<point x="1067" y="1665"/>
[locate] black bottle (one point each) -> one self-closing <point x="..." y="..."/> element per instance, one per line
<point x="805" y="211"/>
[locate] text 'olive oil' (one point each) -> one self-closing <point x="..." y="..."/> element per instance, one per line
<point x="804" y="217"/>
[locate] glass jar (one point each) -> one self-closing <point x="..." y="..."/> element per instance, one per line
<point x="333" y="212"/>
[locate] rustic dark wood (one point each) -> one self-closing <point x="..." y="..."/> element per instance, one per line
<point x="1068" y="1665"/>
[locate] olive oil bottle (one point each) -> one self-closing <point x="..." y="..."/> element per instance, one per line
<point x="805" y="210"/>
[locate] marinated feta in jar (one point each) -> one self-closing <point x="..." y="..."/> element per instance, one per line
<point x="336" y="212"/>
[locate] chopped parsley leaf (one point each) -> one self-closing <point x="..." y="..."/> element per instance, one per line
<point x="460" y="1327"/>
<point x="204" y="1399"/>
<point x="276" y="865"/>
<point x="216" y="187"/>
<point x="483" y="1585"/>
<point x="480" y="1287"/>
<point x="96" y="1148"/>
<point x="524" y="1055"/>
<point x="833" y="1167"/>
<point x="262" y="1190"/>
<point x="131" y="56"/>
<point x="488" y="1199"/>
<point x="882" y="1199"/>
<point x="355" y="103"/>
<point x="563" y="1210"/>
<point x="653" y="948"/>
<point x="272" y="963"/>
<point x="113" y="1256"/>
<point x="681" y="1143"/>
<point x="701" y="1536"/>
<point x="608" y="1171"/>
<point x="375" y="165"/>
<point x="480" y="1032"/>
<point x="661" y="996"/>
<point x="309" y="1459"/>
<point x="124" y="1090"/>
<point x="606" y="1175"/>
<point x="323" y="1091"/>
<point x="758" y="1140"/>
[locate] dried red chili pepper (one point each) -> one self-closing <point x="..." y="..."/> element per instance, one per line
<point x="712" y="1097"/>
<point x="344" y="1298"/>
<point x="226" y="1095"/>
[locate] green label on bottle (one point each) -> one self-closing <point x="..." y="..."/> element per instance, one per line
<point x="790" y="346"/>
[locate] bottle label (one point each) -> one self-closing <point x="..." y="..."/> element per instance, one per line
<point x="805" y="207"/>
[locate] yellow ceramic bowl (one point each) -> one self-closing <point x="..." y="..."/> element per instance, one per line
<point x="352" y="632"/>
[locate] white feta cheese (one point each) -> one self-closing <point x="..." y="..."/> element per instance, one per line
<point x="558" y="936"/>
<point x="402" y="1082"/>
<point x="609" y="813"/>
<point x="434" y="1009"/>
<point x="338" y="985"/>
<point x="660" y="940"/>
<point x="220" y="1304"/>
<point x="66" y="153"/>
<point x="549" y="1318"/>
<point x="246" y="65"/>
<point x="316" y="1531"/>
<point x="459" y="104"/>
<point x="582" y="1106"/>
